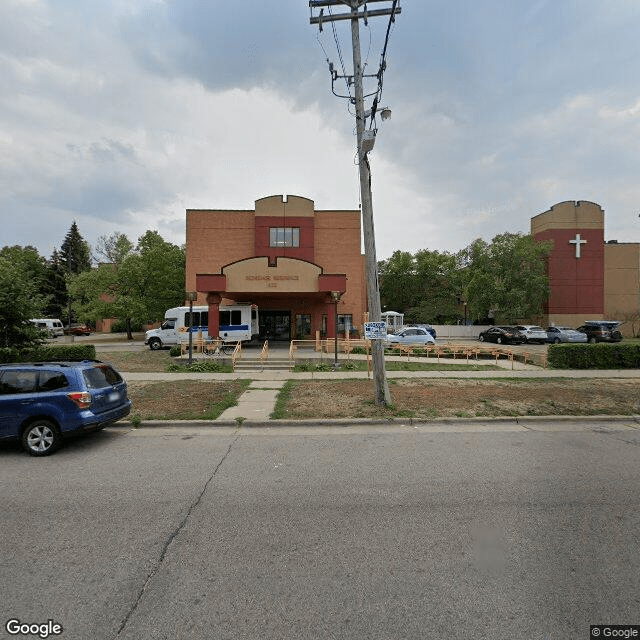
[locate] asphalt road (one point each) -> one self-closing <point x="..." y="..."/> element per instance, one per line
<point x="495" y="531"/>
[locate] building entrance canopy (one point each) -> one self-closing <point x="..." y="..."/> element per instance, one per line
<point x="256" y="275"/>
<point x="262" y="282"/>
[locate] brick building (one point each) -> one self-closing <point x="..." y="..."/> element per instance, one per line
<point x="590" y="279"/>
<point x="294" y="262"/>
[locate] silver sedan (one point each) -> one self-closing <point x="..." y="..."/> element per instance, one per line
<point x="410" y="335"/>
<point x="565" y="334"/>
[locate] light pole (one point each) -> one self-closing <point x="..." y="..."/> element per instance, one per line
<point x="335" y="296"/>
<point x="191" y="296"/>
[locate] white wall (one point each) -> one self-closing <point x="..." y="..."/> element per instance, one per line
<point x="459" y="331"/>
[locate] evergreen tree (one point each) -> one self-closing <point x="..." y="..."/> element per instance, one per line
<point x="57" y="287"/>
<point x="74" y="252"/>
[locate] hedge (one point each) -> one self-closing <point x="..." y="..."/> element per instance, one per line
<point x="594" y="356"/>
<point x="49" y="353"/>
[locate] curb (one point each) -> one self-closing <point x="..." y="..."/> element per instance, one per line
<point x="345" y="422"/>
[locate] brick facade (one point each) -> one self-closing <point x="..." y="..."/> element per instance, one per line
<point x="291" y="283"/>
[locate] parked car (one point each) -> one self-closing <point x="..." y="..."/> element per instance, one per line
<point x="502" y="335"/>
<point x="565" y="334"/>
<point x="601" y="330"/>
<point x="411" y="335"/>
<point x="533" y="333"/>
<point x="41" y="403"/>
<point x="429" y="328"/>
<point x="77" y="329"/>
<point x="52" y="326"/>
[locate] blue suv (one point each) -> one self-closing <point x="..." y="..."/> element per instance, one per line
<point x="43" y="402"/>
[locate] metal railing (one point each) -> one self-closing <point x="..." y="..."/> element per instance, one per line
<point x="235" y="356"/>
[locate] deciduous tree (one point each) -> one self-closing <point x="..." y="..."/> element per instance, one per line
<point x="506" y="279"/>
<point x="146" y="282"/>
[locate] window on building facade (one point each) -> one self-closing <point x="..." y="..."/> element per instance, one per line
<point x="345" y="322"/>
<point x="303" y="326"/>
<point x="284" y="237"/>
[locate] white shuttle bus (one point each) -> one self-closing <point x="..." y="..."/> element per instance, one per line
<point x="238" y="323"/>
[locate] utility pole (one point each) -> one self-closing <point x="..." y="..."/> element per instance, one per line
<point x="365" y="144"/>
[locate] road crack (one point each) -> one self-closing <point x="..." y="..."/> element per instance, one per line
<point x="174" y="534"/>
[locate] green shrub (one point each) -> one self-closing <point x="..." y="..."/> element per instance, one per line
<point x="301" y="367"/>
<point x="594" y="356"/>
<point x="9" y="354"/>
<point x="323" y="366"/>
<point x="359" y="350"/>
<point x="50" y="353"/>
<point x="351" y="366"/>
<point x="175" y="351"/>
<point x="204" y="366"/>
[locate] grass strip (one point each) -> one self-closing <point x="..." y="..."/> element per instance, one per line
<point x="280" y="410"/>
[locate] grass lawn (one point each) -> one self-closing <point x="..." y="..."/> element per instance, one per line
<point x="424" y="399"/>
<point x="183" y="399"/>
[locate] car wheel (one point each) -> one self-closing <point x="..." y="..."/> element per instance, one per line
<point x="155" y="344"/>
<point x="499" y="340"/>
<point x="592" y="340"/>
<point x="41" y="438"/>
<point x="481" y="338"/>
<point x="556" y="340"/>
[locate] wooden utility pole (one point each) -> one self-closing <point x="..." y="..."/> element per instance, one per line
<point x="382" y="397"/>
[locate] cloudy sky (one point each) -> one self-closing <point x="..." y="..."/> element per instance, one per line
<point x="121" y="114"/>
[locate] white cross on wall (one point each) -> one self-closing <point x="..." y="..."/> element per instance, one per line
<point x="577" y="241"/>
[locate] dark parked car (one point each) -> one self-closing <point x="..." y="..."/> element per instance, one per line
<point x="601" y="330"/>
<point x="77" y="329"/>
<point x="502" y="335"/>
<point x="43" y="402"/>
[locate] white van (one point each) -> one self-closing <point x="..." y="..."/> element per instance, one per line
<point x="238" y="323"/>
<point x="52" y="326"/>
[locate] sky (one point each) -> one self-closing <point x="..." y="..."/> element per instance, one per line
<point x="122" y="114"/>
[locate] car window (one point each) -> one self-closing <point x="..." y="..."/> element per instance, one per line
<point x="18" y="382"/>
<point x="101" y="377"/>
<point x="52" y="380"/>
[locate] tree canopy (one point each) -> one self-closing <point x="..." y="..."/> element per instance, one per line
<point x="75" y="254"/>
<point x="505" y="279"/>
<point x="20" y="300"/>
<point x="145" y="282"/>
<point x="425" y="286"/>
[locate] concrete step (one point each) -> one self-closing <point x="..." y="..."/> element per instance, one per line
<point x="253" y="364"/>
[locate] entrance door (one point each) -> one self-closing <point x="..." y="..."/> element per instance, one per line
<point x="275" y="325"/>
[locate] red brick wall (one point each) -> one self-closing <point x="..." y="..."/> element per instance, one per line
<point x="307" y="242"/>
<point x="577" y="284"/>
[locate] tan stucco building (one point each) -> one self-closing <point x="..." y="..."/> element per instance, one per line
<point x="590" y="279"/>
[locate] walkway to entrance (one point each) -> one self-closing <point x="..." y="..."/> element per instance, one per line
<point x="256" y="403"/>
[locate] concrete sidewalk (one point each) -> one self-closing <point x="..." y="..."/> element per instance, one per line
<point x="256" y="404"/>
